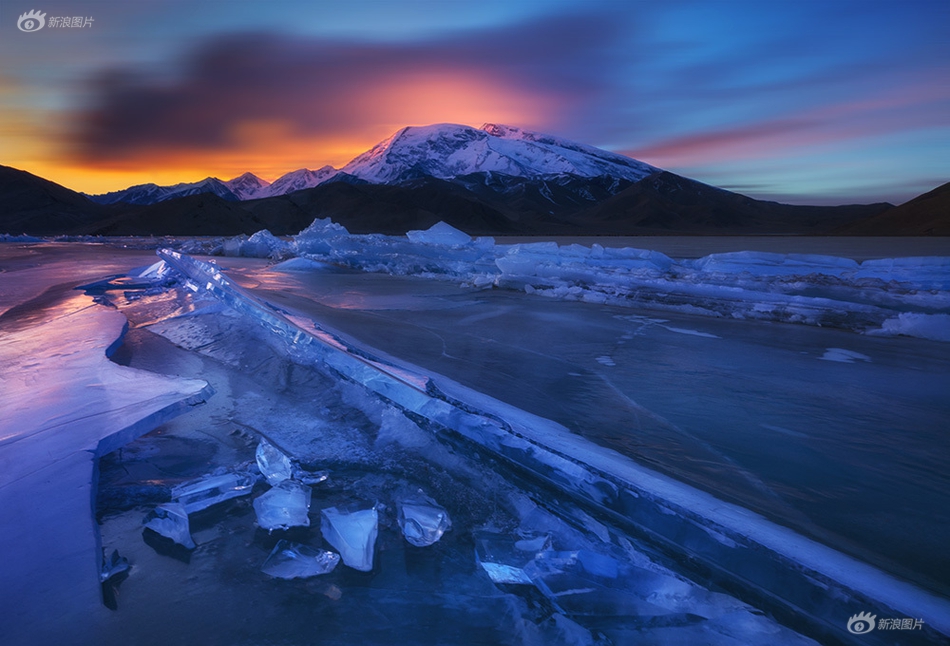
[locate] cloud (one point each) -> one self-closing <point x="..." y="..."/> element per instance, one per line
<point x="242" y="92"/>
<point x="837" y="124"/>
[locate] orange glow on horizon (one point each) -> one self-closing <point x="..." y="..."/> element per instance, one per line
<point x="271" y="148"/>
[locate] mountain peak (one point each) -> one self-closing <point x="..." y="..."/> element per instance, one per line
<point x="447" y="151"/>
<point x="298" y="180"/>
<point x="247" y="186"/>
<point x="248" y="178"/>
<point x="503" y="131"/>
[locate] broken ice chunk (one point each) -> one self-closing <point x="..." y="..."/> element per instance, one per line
<point x="422" y="521"/>
<point x="295" y="561"/>
<point x="171" y="521"/>
<point x="284" y="506"/>
<point x="274" y="465"/>
<point x="113" y="566"/>
<point x="440" y="233"/>
<point x="209" y="490"/>
<point x="505" y="558"/>
<point x="309" y="477"/>
<point x="353" y="534"/>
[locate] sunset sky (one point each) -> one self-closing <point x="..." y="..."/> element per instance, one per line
<point x="810" y="101"/>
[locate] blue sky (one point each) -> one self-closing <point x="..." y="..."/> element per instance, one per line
<point x="805" y="102"/>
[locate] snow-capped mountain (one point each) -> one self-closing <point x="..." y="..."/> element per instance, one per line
<point x="447" y="151"/>
<point x="298" y="180"/>
<point x="152" y="193"/>
<point x="243" y="187"/>
<point x="248" y="186"/>
<point x="443" y="151"/>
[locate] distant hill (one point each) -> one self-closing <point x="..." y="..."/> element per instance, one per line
<point x="665" y="204"/>
<point x="925" y="215"/>
<point x="31" y="204"/>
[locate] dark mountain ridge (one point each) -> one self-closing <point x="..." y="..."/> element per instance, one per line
<point x="487" y="203"/>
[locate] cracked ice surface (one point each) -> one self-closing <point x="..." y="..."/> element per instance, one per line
<point x="724" y="529"/>
<point x="62" y="403"/>
<point x="435" y="588"/>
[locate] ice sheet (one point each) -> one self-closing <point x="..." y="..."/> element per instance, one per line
<point x="413" y="588"/>
<point x="63" y="403"/>
<point x="728" y="534"/>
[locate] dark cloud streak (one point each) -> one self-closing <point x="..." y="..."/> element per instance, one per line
<point x="319" y="87"/>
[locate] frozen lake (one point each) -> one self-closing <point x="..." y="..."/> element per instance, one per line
<point x="856" y="248"/>
<point x="835" y="434"/>
<point x="848" y="448"/>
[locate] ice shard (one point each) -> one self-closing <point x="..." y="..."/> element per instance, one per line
<point x="209" y="490"/>
<point x="422" y="520"/>
<point x="586" y="583"/>
<point x="171" y="521"/>
<point x="504" y="558"/>
<point x="295" y="561"/>
<point x="284" y="506"/>
<point x="353" y="533"/>
<point x="114" y="566"/>
<point x="309" y="477"/>
<point x="274" y="465"/>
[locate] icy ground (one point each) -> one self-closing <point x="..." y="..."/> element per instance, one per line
<point x="439" y="594"/>
<point x="835" y="434"/>
<point x="878" y="296"/>
<point x="63" y="404"/>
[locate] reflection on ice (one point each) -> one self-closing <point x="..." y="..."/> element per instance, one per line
<point x="171" y="521"/>
<point x="211" y="489"/>
<point x="284" y="506"/>
<point x="274" y="465"/>
<point x="295" y="561"/>
<point x="422" y="521"/>
<point x="353" y="533"/>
